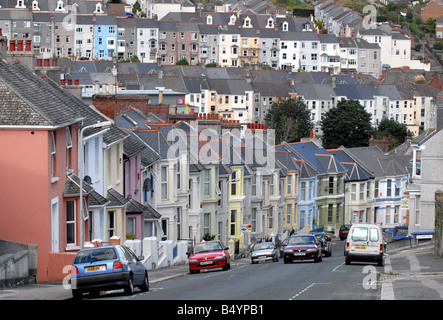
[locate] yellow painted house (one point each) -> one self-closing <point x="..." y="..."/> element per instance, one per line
<point x="236" y="204"/>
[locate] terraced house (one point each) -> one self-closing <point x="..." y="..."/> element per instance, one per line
<point x="330" y="197"/>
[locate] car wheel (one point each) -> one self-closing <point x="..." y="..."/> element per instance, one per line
<point x="145" y="286"/>
<point x="380" y="262"/>
<point x="226" y="266"/>
<point x="129" y="289"/>
<point x="347" y="261"/>
<point x="77" y="294"/>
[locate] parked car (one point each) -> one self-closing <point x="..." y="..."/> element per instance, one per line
<point x="301" y="247"/>
<point x="326" y="247"/>
<point x="365" y="242"/>
<point x="208" y="255"/>
<point x="105" y="268"/>
<point x="343" y="232"/>
<point x="263" y="252"/>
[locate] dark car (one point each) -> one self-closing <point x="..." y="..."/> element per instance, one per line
<point x="264" y="251"/>
<point x="106" y="268"/>
<point x="343" y="232"/>
<point x="302" y="247"/>
<point x="326" y="247"/>
<point x="208" y="255"/>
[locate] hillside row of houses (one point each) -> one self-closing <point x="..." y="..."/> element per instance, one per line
<point x="247" y="95"/>
<point x="188" y="180"/>
<point x="223" y="38"/>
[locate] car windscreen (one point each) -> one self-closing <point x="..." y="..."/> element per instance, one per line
<point x="207" y="247"/>
<point x="361" y="234"/>
<point x="98" y="254"/>
<point x="265" y="245"/>
<point x="302" y="240"/>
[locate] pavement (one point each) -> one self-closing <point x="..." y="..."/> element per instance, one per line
<point x="410" y="273"/>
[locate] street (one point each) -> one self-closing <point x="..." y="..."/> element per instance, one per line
<point x="330" y="279"/>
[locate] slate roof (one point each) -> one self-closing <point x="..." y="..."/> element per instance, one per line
<point x="355" y="172"/>
<point x="25" y="103"/>
<point x="377" y="162"/>
<point x="320" y="158"/>
<point x="72" y="187"/>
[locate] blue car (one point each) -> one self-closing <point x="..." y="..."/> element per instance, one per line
<point x="106" y="268"/>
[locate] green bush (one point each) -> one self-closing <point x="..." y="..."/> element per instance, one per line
<point x="413" y="27"/>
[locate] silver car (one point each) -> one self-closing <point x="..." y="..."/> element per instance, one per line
<point x="263" y="252"/>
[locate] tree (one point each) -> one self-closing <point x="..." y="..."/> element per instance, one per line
<point x="348" y="124"/>
<point x="291" y="120"/>
<point x="394" y="131"/>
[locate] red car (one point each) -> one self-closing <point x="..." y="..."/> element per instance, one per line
<point x="208" y="255"/>
<point x="301" y="247"/>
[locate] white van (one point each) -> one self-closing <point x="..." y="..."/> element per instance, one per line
<point x="364" y="243"/>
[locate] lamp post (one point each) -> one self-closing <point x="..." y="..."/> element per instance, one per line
<point x="104" y="124"/>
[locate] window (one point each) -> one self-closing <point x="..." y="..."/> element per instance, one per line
<point x="53" y="155"/>
<point x="130" y="225"/>
<point x="271" y="217"/>
<point x="179" y="219"/>
<point x="330" y="212"/>
<point x="389" y="188"/>
<point x="303" y="191"/>
<point x="254" y="185"/>
<point x="233" y="215"/>
<point x="111" y="224"/>
<point x="206" y="183"/>
<point x="70" y="222"/>
<point x="353" y="192"/>
<point x="289" y="185"/>
<point x="289" y="214"/>
<point x="388" y="215"/>
<point x="331" y="185"/>
<point x="254" y="220"/>
<point x="417" y="163"/>
<point x="164" y="182"/>
<point x="207" y="223"/>
<point x="362" y="191"/>
<point x="234" y="183"/>
<point x="111" y="29"/>
<point x="68" y="147"/>
<point x="376" y="189"/>
<point x="178" y="171"/>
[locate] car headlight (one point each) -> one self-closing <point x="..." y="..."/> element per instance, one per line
<point x="220" y="256"/>
<point x="288" y="251"/>
<point x="193" y="260"/>
<point x="311" y="250"/>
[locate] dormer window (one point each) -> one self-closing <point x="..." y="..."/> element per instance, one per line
<point x="59" y="6"/>
<point x="98" y="8"/>
<point x="270" y="23"/>
<point x="209" y="19"/>
<point x="20" y="4"/>
<point x="35" y="6"/>
<point x="232" y="20"/>
<point x="247" y="23"/>
<point x="284" y="26"/>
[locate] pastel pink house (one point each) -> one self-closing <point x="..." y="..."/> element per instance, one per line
<point x="39" y="157"/>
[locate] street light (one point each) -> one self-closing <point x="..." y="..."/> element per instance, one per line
<point x="105" y="125"/>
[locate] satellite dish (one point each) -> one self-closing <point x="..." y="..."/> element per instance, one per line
<point x="87" y="179"/>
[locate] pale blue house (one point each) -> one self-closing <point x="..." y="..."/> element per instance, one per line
<point x="105" y="37"/>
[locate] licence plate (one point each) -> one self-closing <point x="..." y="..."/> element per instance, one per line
<point x="203" y="263"/>
<point x="95" y="268"/>
<point x="299" y="253"/>
<point x="359" y="247"/>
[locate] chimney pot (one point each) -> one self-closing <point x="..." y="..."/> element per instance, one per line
<point x="20" y="45"/>
<point x="11" y="45"/>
